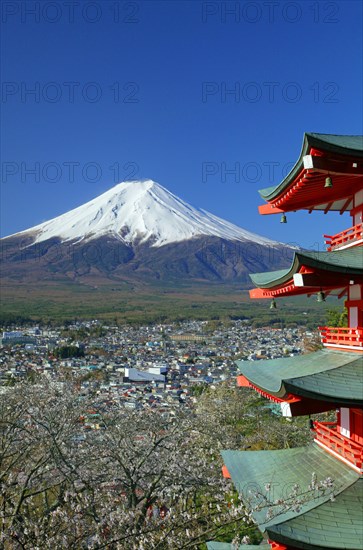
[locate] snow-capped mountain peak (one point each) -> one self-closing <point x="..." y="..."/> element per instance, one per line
<point x="139" y="212"/>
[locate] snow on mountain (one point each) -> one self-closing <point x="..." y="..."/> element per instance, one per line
<point x="139" y="211"/>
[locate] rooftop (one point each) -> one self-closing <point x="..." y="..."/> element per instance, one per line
<point x="335" y="524"/>
<point x="326" y="375"/>
<point x="291" y="469"/>
<point x="310" y="272"/>
<point x="338" y="156"/>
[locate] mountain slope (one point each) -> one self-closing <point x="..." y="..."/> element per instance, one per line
<point x="138" y="231"/>
<point x="138" y="212"/>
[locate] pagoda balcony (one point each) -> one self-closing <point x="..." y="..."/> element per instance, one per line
<point x="345" y="239"/>
<point x="328" y="437"/>
<point x="342" y="337"/>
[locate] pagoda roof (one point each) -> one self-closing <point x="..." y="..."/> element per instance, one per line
<point x="286" y="469"/>
<point x="332" y="269"/>
<point x="329" y="525"/>
<point x="303" y="188"/>
<point x="326" y="375"/>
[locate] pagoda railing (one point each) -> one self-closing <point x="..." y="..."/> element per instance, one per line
<point x="345" y="238"/>
<point x="327" y="434"/>
<point x="342" y="336"/>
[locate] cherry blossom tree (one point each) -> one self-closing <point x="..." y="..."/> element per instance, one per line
<point x="128" y="479"/>
<point x="79" y="472"/>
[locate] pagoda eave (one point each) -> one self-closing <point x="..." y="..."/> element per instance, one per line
<point x="337" y="524"/>
<point x="311" y="272"/>
<point x="291" y="404"/>
<point x="310" y="192"/>
<point x="267" y="476"/>
<point x="305" y="186"/>
<point x="315" y="382"/>
<point x="277" y="397"/>
<point x="338" y="205"/>
<point x="292" y="290"/>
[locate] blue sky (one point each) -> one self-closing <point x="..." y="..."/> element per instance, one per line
<point x="131" y="90"/>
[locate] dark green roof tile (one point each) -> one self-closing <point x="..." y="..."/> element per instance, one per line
<point x="348" y="261"/>
<point x="267" y="278"/>
<point x="331" y="375"/>
<point x="252" y="470"/>
<point x="341" y="520"/>
<point x="343" y="384"/>
<point x="352" y="143"/>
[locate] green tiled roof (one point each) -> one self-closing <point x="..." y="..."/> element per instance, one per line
<point x="348" y="261"/>
<point x="349" y="145"/>
<point x="341" y="385"/>
<point x="345" y="261"/>
<point x="331" y="375"/>
<point x="252" y="470"/>
<point x="267" y="278"/>
<point x="353" y="144"/>
<point x="337" y="524"/>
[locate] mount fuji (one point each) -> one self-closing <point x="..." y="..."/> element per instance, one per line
<point x="139" y="230"/>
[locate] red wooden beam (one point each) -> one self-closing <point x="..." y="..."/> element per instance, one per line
<point x="277" y="545"/>
<point x="343" y="292"/>
<point x="354" y="303"/>
<point x="260" y="293"/>
<point x="268" y="208"/>
<point x="242" y="382"/>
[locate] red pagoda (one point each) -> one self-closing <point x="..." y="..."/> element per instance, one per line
<point x="328" y="176"/>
